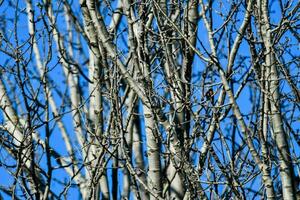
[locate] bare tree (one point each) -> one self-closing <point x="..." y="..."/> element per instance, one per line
<point x="149" y="99"/>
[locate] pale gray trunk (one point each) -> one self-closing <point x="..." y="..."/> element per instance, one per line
<point x="137" y="149"/>
<point x="78" y="178"/>
<point x="153" y="149"/>
<point x="280" y="136"/>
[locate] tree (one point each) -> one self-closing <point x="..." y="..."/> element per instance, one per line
<point x="149" y="99"/>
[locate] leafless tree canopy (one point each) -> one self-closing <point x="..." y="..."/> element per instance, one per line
<point x="149" y="99"/>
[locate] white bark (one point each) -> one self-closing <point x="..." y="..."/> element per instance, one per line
<point x="280" y="136"/>
<point x="42" y="70"/>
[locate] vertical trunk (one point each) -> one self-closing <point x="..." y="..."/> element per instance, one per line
<point x="236" y="110"/>
<point x="127" y="145"/>
<point x="141" y="60"/>
<point x="262" y="77"/>
<point x="138" y="153"/>
<point x="177" y="188"/>
<point x="31" y="27"/>
<point x="95" y="110"/>
<point x="96" y="122"/>
<point x="280" y="136"/>
<point x="267" y="179"/>
<point x="153" y="150"/>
